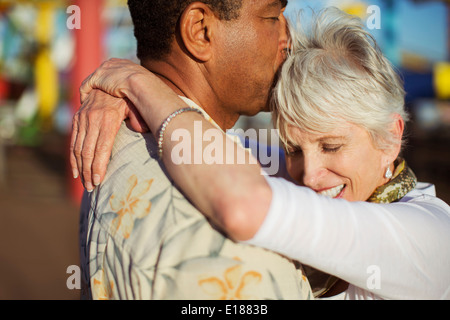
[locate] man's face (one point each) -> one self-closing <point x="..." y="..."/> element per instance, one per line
<point x="249" y="52"/>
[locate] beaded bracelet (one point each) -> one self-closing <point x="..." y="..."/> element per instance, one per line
<point x="166" y="123"/>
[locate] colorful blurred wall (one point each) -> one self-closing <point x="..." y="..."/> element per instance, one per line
<point x="47" y="48"/>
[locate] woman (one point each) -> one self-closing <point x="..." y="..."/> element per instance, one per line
<point x="339" y="108"/>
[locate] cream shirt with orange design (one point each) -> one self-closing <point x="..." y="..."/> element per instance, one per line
<point x="142" y="239"/>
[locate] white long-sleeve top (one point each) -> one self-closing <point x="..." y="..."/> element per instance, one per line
<point x="385" y="251"/>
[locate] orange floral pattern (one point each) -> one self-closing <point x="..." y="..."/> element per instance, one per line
<point x="140" y="231"/>
<point x="234" y="285"/>
<point x="131" y="206"/>
<point x="102" y="289"/>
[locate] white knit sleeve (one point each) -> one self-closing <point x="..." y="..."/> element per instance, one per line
<point x="405" y="245"/>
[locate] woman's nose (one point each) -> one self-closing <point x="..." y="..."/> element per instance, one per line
<point x="313" y="171"/>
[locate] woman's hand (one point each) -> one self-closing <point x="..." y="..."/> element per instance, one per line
<point x="117" y="90"/>
<point x="113" y="77"/>
<point x="94" y="129"/>
<point x="105" y="105"/>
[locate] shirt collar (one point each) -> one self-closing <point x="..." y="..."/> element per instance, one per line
<point x="192" y="104"/>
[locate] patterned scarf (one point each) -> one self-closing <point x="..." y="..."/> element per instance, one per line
<point x="404" y="181"/>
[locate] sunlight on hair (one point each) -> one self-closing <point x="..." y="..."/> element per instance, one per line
<point x="335" y="73"/>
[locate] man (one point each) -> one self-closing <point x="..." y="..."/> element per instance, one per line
<point x="141" y="238"/>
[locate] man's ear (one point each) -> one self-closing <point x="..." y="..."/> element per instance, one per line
<point x="196" y="29"/>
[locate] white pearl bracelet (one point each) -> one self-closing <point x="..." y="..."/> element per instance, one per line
<point x="166" y="123"/>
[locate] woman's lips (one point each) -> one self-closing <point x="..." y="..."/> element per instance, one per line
<point x="335" y="192"/>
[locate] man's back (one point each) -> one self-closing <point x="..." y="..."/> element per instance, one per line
<point x="142" y="239"/>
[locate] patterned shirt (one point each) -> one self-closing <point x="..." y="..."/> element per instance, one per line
<point x="142" y="239"/>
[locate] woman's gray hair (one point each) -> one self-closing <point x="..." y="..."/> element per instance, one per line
<point x="335" y="73"/>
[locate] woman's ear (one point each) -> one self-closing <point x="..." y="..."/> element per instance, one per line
<point x="397" y="130"/>
<point x="196" y="29"/>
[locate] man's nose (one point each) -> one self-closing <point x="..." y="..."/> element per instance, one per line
<point x="284" y="33"/>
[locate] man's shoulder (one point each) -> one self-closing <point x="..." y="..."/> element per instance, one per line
<point x="135" y="182"/>
<point x="135" y="157"/>
<point x="141" y="220"/>
<point x="131" y="145"/>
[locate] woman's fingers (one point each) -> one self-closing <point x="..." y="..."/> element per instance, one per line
<point x="101" y="110"/>
<point x="103" y="150"/>
<point x="86" y="156"/>
<point x="73" y="139"/>
<point x="95" y="127"/>
<point x="78" y="137"/>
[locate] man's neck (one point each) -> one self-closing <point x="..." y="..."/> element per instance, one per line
<point x="193" y="86"/>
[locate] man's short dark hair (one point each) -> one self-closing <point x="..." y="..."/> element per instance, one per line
<point x="155" y="22"/>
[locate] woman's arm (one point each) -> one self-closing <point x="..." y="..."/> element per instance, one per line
<point x="235" y="196"/>
<point x="396" y="251"/>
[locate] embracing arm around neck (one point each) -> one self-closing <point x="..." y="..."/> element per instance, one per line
<point x="236" y="197"/>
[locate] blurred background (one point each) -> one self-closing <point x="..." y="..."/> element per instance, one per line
<point x="48" y="47"/>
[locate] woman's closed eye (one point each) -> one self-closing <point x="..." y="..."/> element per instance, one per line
<point x="331" y="148"/>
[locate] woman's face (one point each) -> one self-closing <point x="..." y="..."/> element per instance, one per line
<point x="342" y="163"/>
